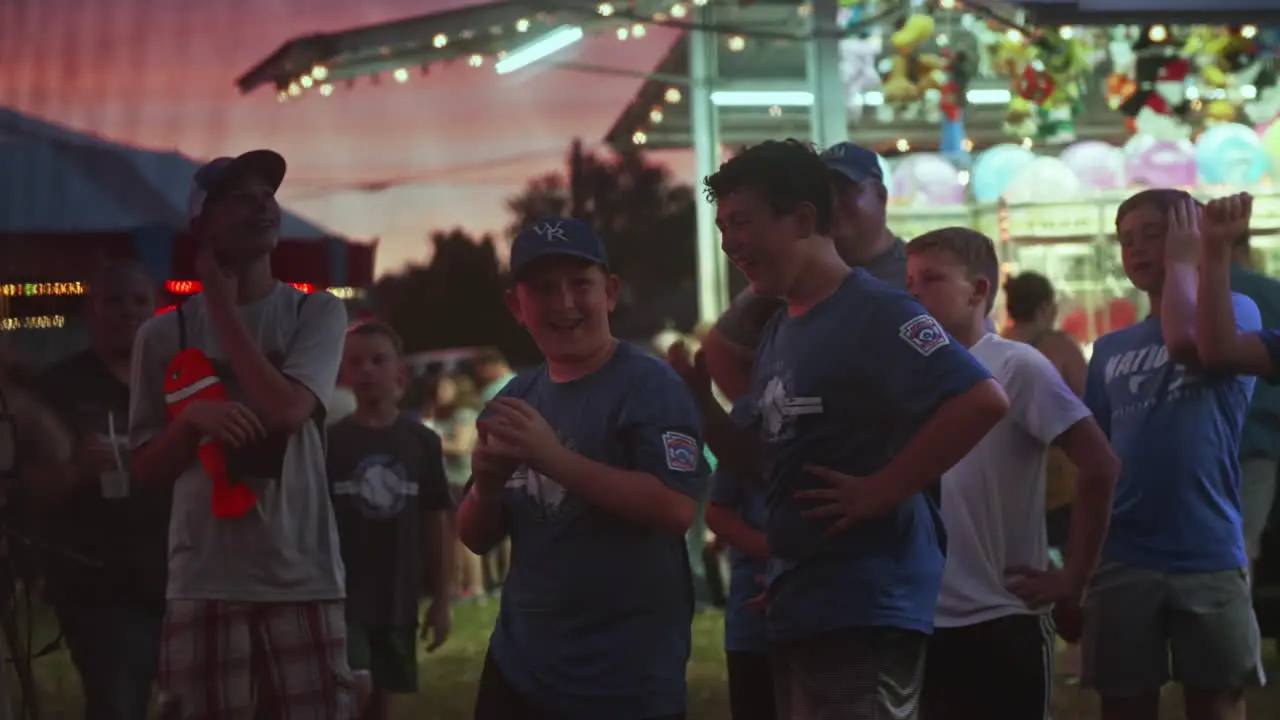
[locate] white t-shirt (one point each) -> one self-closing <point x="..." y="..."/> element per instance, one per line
<point x="993" y="499"/>
<point x="285" y="549"/>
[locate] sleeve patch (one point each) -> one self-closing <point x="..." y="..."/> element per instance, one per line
<point x="923" y="334"/>
<point x="681" y="450"/>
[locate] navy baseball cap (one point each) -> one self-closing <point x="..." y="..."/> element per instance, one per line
<point x="217" y="174"/>
<point x="854" y="162"/>
<point x="561" y="236"/>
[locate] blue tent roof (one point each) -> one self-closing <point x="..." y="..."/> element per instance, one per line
<point x="54" y="179"/>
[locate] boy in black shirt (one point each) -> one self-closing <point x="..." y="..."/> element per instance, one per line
<point x="391" y="501"/>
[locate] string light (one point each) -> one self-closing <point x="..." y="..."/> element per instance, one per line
<point x="736" y="43"/>
<point x="440" y="40"/>
<point x="903" y="145"/>
<point x="672" y="96"/>
<point x="34" y="322"/>
<point x="319" y="72"/>
<point x="655" y="115"/>
<point x="623" y="33"/>
<point x="522" y="25"/>
<point x="679" y="11"/>
<point x="326" y="90"/>
<point x="638" y="30"/>
<point x="306" y="81"/>
<point x="475" y="60"/>
<point x="191" y="287"/>
<point x="38" y="289"/>
<point x="605" y="9"/>
<point x="639" y="138"/>
<point x="775" y="111"/>
<point x="401" y="75"/>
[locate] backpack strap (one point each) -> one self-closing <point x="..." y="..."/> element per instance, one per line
<point x="182" y="328"/>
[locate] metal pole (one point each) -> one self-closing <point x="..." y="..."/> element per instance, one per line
<point x="829" y="117"/>
<point x="713" y="281"/>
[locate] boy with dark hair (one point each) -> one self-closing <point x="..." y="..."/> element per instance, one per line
<point x="991" y="655"/>
<point x="391" y="502"/>
<point x="858" y="197"/>
<point x="851" y="602"/>
<point x="256" y="598"/>
<point x="591" y="460"/>
<point x="1173" y="577"/>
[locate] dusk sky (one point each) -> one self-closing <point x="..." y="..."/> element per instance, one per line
<point x="160" y="74"/>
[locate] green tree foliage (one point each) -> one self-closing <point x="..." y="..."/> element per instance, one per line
<point x="648" y="225"/>
<point x="456" y="301"/>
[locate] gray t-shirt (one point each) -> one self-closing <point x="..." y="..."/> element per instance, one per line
<point x="744" y="321"/>
<point x="285" y="549"/>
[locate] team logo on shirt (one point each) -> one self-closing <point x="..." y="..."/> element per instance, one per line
<point x="379" y="487"/>
<point x="778" y="410"/>
<point x="549" y="499"/>
<point x="923" y="334"/>
<point x="1135" y="368"/>
<point x="682" y="451"/>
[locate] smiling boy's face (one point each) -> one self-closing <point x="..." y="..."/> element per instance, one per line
<point x="564" y="303"/>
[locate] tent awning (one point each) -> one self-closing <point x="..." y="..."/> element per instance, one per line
<point x="471" y="35"/>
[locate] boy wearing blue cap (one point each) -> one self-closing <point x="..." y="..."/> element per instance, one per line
<point x="593" y="459"/>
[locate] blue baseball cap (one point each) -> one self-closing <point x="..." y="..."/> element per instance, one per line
<point x="560" y="236"/>
<point x="215" y="175"/>
<point x="854" y="162"/>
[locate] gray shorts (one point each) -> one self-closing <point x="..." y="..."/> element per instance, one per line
<point x="866" y="673"/>
<point x="1134" y="619"/>
<point x="1257" y="495"/>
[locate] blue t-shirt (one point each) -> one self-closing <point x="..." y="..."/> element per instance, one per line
<point x="847" y="385"/>
<point x="744" y="629"/>
<point x="595" y="612"/>
<point x="1177" y="504"/>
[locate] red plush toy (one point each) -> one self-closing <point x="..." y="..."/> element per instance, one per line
<point x="190" y="378"/>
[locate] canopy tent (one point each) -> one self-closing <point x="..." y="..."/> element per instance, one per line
<point x="77" y="201"/>
<point x="62" y="181"/>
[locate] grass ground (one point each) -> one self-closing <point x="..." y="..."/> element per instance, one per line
<point x="449" y="676"/>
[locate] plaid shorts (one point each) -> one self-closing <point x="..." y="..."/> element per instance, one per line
<point x="288" y="661"/>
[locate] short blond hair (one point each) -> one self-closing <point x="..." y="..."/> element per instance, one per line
<point x="971" y="248"/>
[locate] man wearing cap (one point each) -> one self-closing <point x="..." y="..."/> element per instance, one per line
<point x="593" y="459"/>
<point x="254" y="612"/>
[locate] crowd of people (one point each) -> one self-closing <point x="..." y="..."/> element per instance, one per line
<point x="908" y="497"/>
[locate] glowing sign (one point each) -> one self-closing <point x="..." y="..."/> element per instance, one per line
<point x="37" y="289"/>
<point x="35" y="322"/>
<point x="191" y="287"/>
<point x="347" y="293"/>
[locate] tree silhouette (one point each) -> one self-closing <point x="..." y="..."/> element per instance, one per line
<point x="648" y="225"/>
<point x="455" y="301"/>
